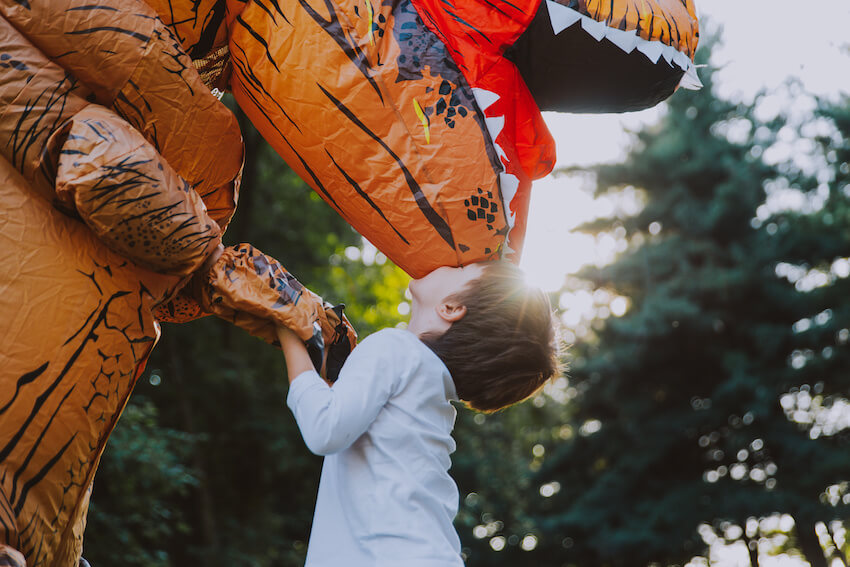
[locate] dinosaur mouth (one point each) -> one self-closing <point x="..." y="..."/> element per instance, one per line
<point x="574" y="63"/>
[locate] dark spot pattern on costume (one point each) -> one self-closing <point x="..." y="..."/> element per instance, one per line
<point x="423" y="50"/>
<point x="482" y="206"/>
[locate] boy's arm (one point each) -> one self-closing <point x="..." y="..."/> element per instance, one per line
<point x="331" y="419"/>
<point x="297" y="359"/>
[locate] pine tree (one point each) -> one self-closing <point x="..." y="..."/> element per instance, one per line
<point x="684" y="402"/>
<point x="813" y="248"/>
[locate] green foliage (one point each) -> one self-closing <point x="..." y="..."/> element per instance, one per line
<point x="695" y="389"/>
<point x="372" y="292"/>
<point x="495" y="464"/>
<point x="142" y="475"/>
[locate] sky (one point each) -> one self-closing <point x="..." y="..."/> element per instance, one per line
<point x="765" y="42"/>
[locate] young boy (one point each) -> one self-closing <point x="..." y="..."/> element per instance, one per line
<point x="476" y="334"/>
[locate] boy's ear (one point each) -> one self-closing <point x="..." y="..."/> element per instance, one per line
<point x="451" y="311"/>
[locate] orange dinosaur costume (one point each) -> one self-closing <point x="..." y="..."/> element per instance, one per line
<point x="417" y="120"/>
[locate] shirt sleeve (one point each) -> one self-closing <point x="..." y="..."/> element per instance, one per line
<point x="332" y="418"/>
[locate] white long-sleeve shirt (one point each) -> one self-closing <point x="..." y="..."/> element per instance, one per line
<point x="385" y="495"/>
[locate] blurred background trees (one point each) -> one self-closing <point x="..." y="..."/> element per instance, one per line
<point x="704" y="419"/>
<point x="719" y="396"/>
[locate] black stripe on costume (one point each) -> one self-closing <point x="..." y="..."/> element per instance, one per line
<point x="23" y="139"/>
<point x="514" y="6"/>
<point x="33" y="450"/>
<point x="314" y="177"/>
<point x="254" y="82"/>
<point x="265" y="9"/>
<point x="470" y="26"/>
<point x="41" y="474"/>
<point x="131" y="33"/>
<point x="259" y="39"/>
<point x="210" y="28"/>
<point x="334" y="29"/>
<point x="279" y="11"/>
<point x="91" y="7"/>
<point x="623" y="25"/>
<point x="8" y="527"/>
<point x="25" y="540"/>
<point x="438" y="222"/>
<point x="247" y="73"/>
<point x="41" y="399"/>
<point x="92" y="126"/>
<point x="366" y="197"/>
<point x="673" y="25"/>
<point x="23" y="381"/>
<point x="498" y="9"/>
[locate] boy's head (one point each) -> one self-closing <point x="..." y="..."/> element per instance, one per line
<point x="494" y="333"/>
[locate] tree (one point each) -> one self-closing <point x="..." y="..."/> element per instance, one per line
<point x="683" y="403"/>
<point x="144" y="475"/>
<point x="495" y="464"/>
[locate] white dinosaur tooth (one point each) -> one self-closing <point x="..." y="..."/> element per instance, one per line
<point x="668" y="52"/>
<point x="682" y="60"/>
<point x="561" y="17"/>
<point x="494" y="124"/>
<point x="594" y="28"/>
<point x="494" y="127"/>
<point x="690" y="80"/>
<point x="625" y="40"/>
<point x="652" y="49"/>
<point x="484" y="98"/>
<point x="509" y="184"/>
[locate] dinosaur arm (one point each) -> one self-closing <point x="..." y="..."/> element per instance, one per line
<point x="256" y="293"/>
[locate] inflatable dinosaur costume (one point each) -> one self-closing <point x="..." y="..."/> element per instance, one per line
<point x="418" y="121"/>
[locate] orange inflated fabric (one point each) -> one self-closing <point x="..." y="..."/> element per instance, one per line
<point x="148" y="80"/>
<point x="427" y="133"/>
<point x="77" y="326"/>
<point x="78" y="319"/>
<point x="367" y="106"/>
<point x="119" y="171"/>
<point x="196" y="24"/>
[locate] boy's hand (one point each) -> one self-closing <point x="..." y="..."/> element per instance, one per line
<point x="285" y="334"/>
<point x="295" y="352"/>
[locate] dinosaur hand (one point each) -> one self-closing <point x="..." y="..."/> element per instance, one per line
<point x="255" y="292"/>
<point x="340" y="338"/>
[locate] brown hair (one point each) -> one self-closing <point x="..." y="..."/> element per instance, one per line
<point x="504" y="348"/>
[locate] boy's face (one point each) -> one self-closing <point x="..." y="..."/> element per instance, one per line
<point x="430" y="297"/>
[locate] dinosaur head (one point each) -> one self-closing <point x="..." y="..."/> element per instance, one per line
<point x="420" y="121"/>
